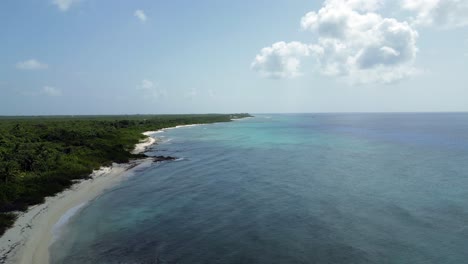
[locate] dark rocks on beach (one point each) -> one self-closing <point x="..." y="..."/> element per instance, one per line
<point x="163" y="158"/>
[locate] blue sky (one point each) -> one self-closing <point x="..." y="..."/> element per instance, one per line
<point x="181" y="56"/>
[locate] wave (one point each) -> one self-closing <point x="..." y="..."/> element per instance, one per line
<point x="65" y="219"/>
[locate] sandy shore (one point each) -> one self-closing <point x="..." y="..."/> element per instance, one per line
<point x="142" y="146"/>
<point x="29" y="239"/>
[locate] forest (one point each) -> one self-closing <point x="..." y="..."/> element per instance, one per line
<point x="41" y="156"/>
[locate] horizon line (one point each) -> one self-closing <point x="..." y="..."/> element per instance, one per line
<point x="253" y="113"/>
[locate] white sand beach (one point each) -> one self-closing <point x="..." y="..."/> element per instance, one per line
<point x="143" y="145"/>
<point x="29" y="239"/>
<point x="147" y="142"/>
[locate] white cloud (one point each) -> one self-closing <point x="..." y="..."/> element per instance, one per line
<point x="281" y="60"/>
<point x="51" y="91"/>
<point x="362" y="5"/>
<point x="31" y="64"/>
<point x="64" y="5"/>
<point x="353" y="41"/>
<point x="439" y="13"/>
<point x="382" y="74"/>
<point x="140" y="14"/>
<point x="362" y="45"/>
<point x="151" y="90"/>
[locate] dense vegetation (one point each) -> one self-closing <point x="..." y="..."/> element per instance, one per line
<point x="41" y="156"/>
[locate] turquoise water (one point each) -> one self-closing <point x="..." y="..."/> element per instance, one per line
<point x="304" y="188"/>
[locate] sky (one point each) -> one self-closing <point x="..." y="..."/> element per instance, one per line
<point x="70" y="57"/>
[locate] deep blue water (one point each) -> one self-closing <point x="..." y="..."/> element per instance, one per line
<point x="302" y="188"/>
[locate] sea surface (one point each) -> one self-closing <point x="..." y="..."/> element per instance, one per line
<point x="296" y="188"/>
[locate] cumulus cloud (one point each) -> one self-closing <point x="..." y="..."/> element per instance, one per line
<point x="31" y="64"/>
<point x="140" y="14"/>
<point x="64" y="5"/>
<point x="362" y="44"/>
<point x="51" y="91"/>
<point x="151" y="90"/>
<point x="440" y="13"/>
<point x="281" y="60"/>
<point x="363" y="5"/>
<point x="353" y="41"/>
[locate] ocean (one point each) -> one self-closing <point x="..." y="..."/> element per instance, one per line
<point x="288" y="188"/>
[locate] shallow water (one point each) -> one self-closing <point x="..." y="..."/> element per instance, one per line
<point x="303" y="188"/>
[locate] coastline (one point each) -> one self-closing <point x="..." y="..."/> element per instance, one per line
<point x="143" y="145"/>
<point x="34" y="231"/>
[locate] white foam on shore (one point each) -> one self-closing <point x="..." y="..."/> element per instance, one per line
<point x="64" y="219"/>
<point x="149" y="133"/>
<point x="146" y="143"/>
<point x="192" y="125"/>
<point x="143" y="145"/>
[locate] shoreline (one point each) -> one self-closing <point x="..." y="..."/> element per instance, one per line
<point x="147" y="142"/>
<point x="35" y="230"/>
